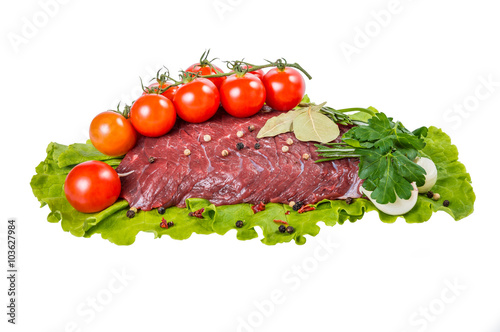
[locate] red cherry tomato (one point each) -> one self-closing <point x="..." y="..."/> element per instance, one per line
<point x="92" y="186"/>
<point x="152" y="115"/>
<point x="169" y="93"/>
<point x="242" y="96"/>
<point x="207" y="70"/>
<point x="197" y="101"/>
<point x="259" y="72"/>
<point x="285" y="88"/>
<point x="112" y="134"/>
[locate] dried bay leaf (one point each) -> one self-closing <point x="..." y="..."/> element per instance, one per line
<point x="314" y="126"/>
<point x="280" y="124"/>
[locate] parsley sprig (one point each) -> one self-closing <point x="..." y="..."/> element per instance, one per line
<point x="386" y="150"/>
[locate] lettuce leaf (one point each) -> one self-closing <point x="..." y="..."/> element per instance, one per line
<point x="454" y="184"/>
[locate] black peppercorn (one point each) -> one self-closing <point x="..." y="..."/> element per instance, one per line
<point x="297" y="206"/>
<point x="282" y="228"/>
<point x="131" y="213"/>
<point x="257" y="146"/>
<point x="239" y="223"/>
<point x="251" y="128"/>
<point x="290" y="229"/>
<point x="170" y="224"/>
<point x="430" y="194"/>
<point x="151" y="160"/>
<point x="446" y="202"/>
<point x="161" y="210"/>
<point x="348" y="200"/>
<point x="240" y="146"/>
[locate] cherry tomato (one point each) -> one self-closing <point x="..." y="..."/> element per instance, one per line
<point x="169" y="93"/>
<point x="112" y="134"/>
<point x="242" y="96"/>
<point x="92" y="186"/>
<point x="259" y="72"/>
<point x="197" y="101"/>
<point x="207" y="70"/>
<point x="285" y="88"/>
<point x="152" y="115"/>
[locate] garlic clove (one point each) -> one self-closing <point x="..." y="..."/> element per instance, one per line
<point x="399" y="207"/>
<point x="431" y="173"/>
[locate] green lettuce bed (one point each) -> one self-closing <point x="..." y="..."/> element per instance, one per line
<point x="454" y="184"/>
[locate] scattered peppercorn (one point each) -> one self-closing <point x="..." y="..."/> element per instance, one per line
<point x="290" y="229"/>
<point x="239" y="133"/>
<point x="225" y="153"/>
<point x="282" y="229"/>
<point x="257" y="146"/>
<point x="187" y="152"/>
<point x="289" y="141"/>
<point x="430" y="194"/>
<point x="240" y="146"/>
<point x="251" y="128"/>
<point x="170" y="224"/>
<point x="239" y="223"/>
<point x="130" y="214"/>
<point x="306" y="156"/>
<point x="446" y="202"/>
<point x="348" y="200"/>
<point x="297" y="206"/>
<point x="151" y="160"/>
<point x="436" y="196"/>
<point x="291" y="204"/>
<point x="207" y="138"/>
<point x="161" y="210"/>
<point x="285" y="148"/>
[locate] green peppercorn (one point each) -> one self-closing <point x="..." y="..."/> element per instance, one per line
<point x="240" y="146"/>
<point x="239" y="223"/>
<point x="290" y="229"/>
<point x="282" y="229"/>
<point x="446" y="202"/>
<point x="161" y="210"/>
<point x="257" y="146"/>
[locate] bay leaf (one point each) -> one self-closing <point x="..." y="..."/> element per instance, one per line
<point x="280" y="124"/>
<point x="314" y="126"/>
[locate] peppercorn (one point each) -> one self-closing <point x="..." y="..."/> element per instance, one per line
<point x="130" y="214"/>
<point x="306" y="156"/>
<point x="240" y="133"/>
<point x="161" y="210"/>
<point x="291" y="204"/>
<point x="282" y="229"/>
<point x="297" y="206"/>
<point x="285" y="148"/>
<point x="436" y="196"/>
<point x="430" y="194"/>
<point x="225" y="153"/>
<point x="446" y="202"/>
<point x="151" y="160"/>
<point x="290" y="229"/>
<point x="348" y="200"/>
<point x="170" y="224"/>
<point x="187" y="152"/>
<point x="240" y="146"/>
<point x="207" y="138"/>
<point x="239" y="223"/>
<point x="251" y="128"/>
<point x="257" y="146"/>
<point x="289" y="141"/>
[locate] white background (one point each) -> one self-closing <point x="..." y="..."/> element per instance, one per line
<point x="415" y="65"/>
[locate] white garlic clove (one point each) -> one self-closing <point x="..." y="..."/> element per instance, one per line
<point x="399" y="207"/>
<point x="430" y="176"/>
